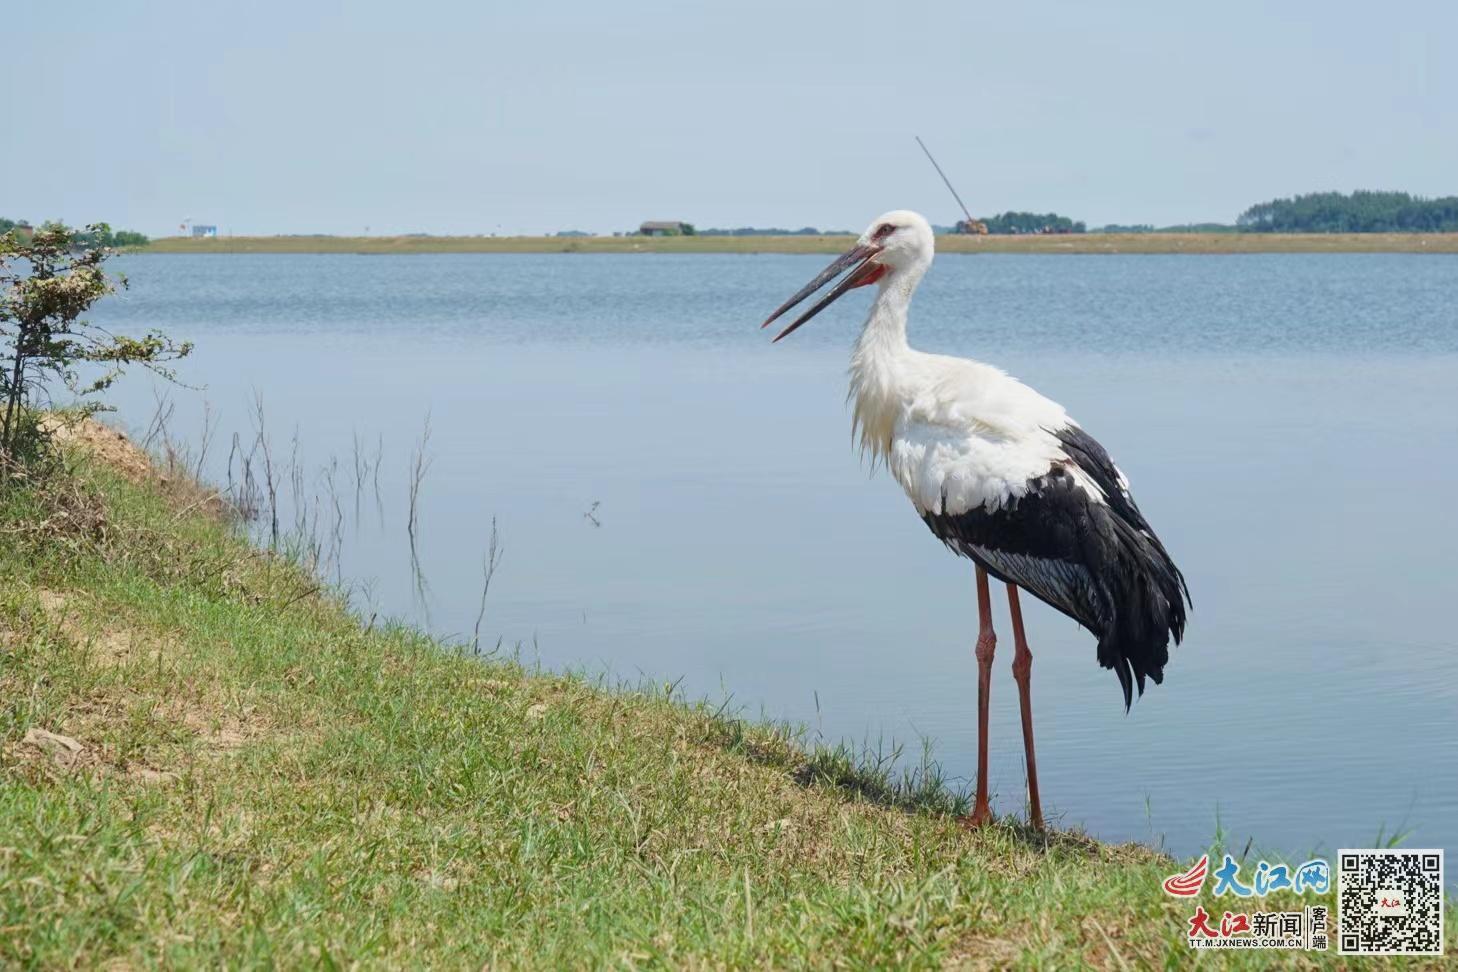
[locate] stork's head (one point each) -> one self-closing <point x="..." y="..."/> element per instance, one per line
<point x="904" y="237"/>
<point x="896" y="245"/>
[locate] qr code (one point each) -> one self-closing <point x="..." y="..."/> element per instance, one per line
<point x="1390" y="902"/>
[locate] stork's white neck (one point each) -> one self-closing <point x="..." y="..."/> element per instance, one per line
<point x="883" y="336"/>
<point x="877" y="363"/>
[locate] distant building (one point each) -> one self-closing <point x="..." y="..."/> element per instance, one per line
<point x="665" y="228"/>
<point x="200" y="230"/>
<point x="973" y="227"/>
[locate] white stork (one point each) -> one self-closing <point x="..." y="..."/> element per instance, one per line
<point x="1004" y="477"/>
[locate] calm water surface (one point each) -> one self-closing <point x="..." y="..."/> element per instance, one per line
<point x="1289" y="424"/>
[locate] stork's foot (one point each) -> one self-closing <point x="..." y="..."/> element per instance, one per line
<point x="981" y="816"/>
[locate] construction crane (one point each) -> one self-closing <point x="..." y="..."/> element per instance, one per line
<point x="969" y="226"/>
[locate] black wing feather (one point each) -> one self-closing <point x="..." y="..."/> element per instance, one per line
<point x="1099" y="562"/>
<point x="1094" y="460"/>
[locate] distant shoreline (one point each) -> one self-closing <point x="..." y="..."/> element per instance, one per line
<point x="1054" y="243"/>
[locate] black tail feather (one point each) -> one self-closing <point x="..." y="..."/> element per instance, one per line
<point x="1121" y="668"/>
<point x="1148" y="596"/>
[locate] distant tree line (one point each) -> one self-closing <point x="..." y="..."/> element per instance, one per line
<point x="98" y="235"/>
<point x="1006" y="223"/>
<point x="1321" y="212"/>
<point x="1361" y="212"/>
<point x="1012" y="223"/>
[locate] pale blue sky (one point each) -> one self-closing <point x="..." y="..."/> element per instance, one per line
<point x="447" y="116"/>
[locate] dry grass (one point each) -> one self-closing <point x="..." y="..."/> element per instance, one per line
<point x="167" y="473"/>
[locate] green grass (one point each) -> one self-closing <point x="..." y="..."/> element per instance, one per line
<point x="266" y="780"/>
<point x="1073" y="243"/>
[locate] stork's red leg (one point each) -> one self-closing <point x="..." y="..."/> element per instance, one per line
<point x="1022" y="667"/>
<point x="986" y="644"/>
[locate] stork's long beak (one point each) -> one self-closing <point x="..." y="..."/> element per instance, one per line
<point x="865" y="272"/>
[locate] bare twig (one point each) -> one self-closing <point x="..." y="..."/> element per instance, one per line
<point x="210" y="427"/>
<point x="379" y="458"/>
<point x="270" y="483"/>
<point x="361" y="469"/>
<point x="421" y="586"/>
<point x="488" y="570"/>
<point x="296" y="486"/>
<point x="336" y="532"/>
<point x="232" y="451"/>
<point x="418" y="466"/>
<point x="313" y="589"/>
<point x="206" y="498"/>
<point x="161" y="415"/>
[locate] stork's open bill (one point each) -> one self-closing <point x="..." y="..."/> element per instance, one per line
<point x="1005" y="478"/>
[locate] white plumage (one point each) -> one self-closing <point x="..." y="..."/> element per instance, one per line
<point x="957" y="434"/>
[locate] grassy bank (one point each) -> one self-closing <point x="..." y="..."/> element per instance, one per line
<point x="204" y="759"/>
<point x="1079" y="243"/>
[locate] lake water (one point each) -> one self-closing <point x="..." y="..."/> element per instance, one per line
<point x="678" y="499"/>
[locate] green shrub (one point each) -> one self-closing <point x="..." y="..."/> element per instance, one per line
<point x="47" y="282"/>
